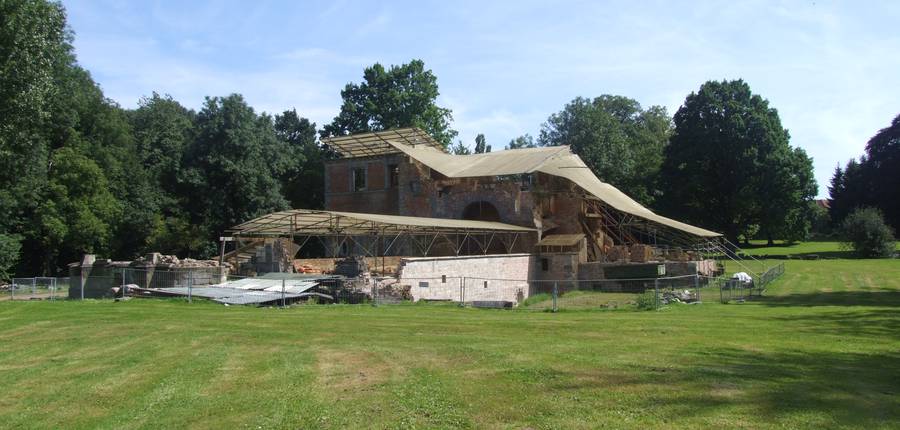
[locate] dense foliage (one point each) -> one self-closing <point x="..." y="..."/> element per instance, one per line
<point x="401" y="96"/>
<point x="729" y="166"/>
<point x="620" y="141"/>
<point x="873" y="181"/>
<point x="867" y="234"/>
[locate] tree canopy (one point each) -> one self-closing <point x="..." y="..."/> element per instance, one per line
<point x="401" y="96"/>
<point x="620" y="141"/>
<point x="729" y="166"/>
<point x="872" y="181"/>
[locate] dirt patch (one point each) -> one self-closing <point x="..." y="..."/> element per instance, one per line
<point x="352" y="371"/>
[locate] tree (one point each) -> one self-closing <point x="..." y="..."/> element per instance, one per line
<point x="232" y="167"/>
<point x="402" y="96"/>
<point x="523" y="141"/>
<point x="617" y="139"/>
<point x="79" y="212"/>
<point x="872" y="181"/>
<point x="481" y="145"/>
<point x="303" y="183"/>
<point x="883" y="151"/>
<point x="729" y="165"/>
<point x="460" y="149"/>
<point x="33" y="44"/>
<point x="866" y="233"/>
<point x="10" y="245"/>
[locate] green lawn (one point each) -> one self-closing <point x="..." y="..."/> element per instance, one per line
<point x="822" y="350"/>
<point x="822" y="249"/>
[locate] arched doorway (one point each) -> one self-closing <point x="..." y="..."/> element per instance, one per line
<point x="483" y="211"/>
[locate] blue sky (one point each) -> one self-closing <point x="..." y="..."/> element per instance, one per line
<point x="830" y="68"/>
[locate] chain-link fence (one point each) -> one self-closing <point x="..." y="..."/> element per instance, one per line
<point x="738" y="290"/>
<point x="286" y="289"/>
<point x="554" y="295"/>
<point x="37" y="288"/>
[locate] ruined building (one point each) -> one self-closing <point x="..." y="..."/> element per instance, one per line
<point x="543" y="205"/>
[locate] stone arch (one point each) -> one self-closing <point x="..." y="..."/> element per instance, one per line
<point x="481" y="211"/>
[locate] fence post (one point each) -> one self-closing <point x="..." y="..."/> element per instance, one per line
<point x="12" y="289"/>
<point x="282" y="293"/>
<point x="124" y="283"/>
<point x="697" y="285"/>
<point x="555" y="295"/>
<point x="81" y="273"/>
<point x="462" y="283"/>
<point x="656" y="290"/>
<point x="191" y="287"/>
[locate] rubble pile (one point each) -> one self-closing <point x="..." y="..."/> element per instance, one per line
<point x="164" y="261"/>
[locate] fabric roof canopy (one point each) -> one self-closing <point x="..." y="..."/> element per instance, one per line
<point x="556" y="161"/>
<point x="314" y="222"/>
<point x="561" y="240"/>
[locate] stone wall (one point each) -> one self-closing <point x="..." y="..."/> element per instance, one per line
<point x="487" y="277"/>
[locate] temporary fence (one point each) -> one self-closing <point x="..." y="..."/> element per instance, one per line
<point x="554" y="295"/>
<point x="38" y="288"/>
<point x="524" y="294"/>
<point x="736" y="290"/>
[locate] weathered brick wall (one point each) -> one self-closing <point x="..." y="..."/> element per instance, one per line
<point x="378" y="197"/>
<point x="507" y="277"/>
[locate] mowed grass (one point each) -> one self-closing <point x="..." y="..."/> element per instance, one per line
<point x="823" y="249"/>
<point x="822" y="350"/>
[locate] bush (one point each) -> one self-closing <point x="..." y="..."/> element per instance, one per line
<point x="866" y="233"/>
<point x="9" y="254"/>
<point x="646" y="301"/>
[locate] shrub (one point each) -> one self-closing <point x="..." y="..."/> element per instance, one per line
<point x="866" y="233"/>
<point x="646" y="301"/>
<point x="9" y="254"/>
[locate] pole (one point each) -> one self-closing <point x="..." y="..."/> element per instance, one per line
<point x="123" y="283"/>
<point x="656" y="289"/>
<point x="282" y="293"/>
<point x="697" y="285"/>
<point x="555" y="295"/>
<point x="191" y="287"/>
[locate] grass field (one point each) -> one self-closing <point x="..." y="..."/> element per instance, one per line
<point x="822" y="350"/>
<point x="823" y="249"/>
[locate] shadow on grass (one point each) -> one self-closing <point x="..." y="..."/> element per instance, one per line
<point x="835" y="298"/>
<point x="880" y="323"/>
<point x="802" y="388"/>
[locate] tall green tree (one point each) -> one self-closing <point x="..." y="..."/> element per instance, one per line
<point x="232" y="167"/>
<point x="873" y="181"/>
<point x="523" y="141"/>
<point x="621" y="142"/>
<point x="883" y="151"/>
<point x="729" y="165"/>
<point x="79" y="213"/>
<point x="401" y="96"/>
<point x="33" y="43"/>
<point x="162" y="130"/>
<point x="303" y="183"/>
<point x="481" y="145"/>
